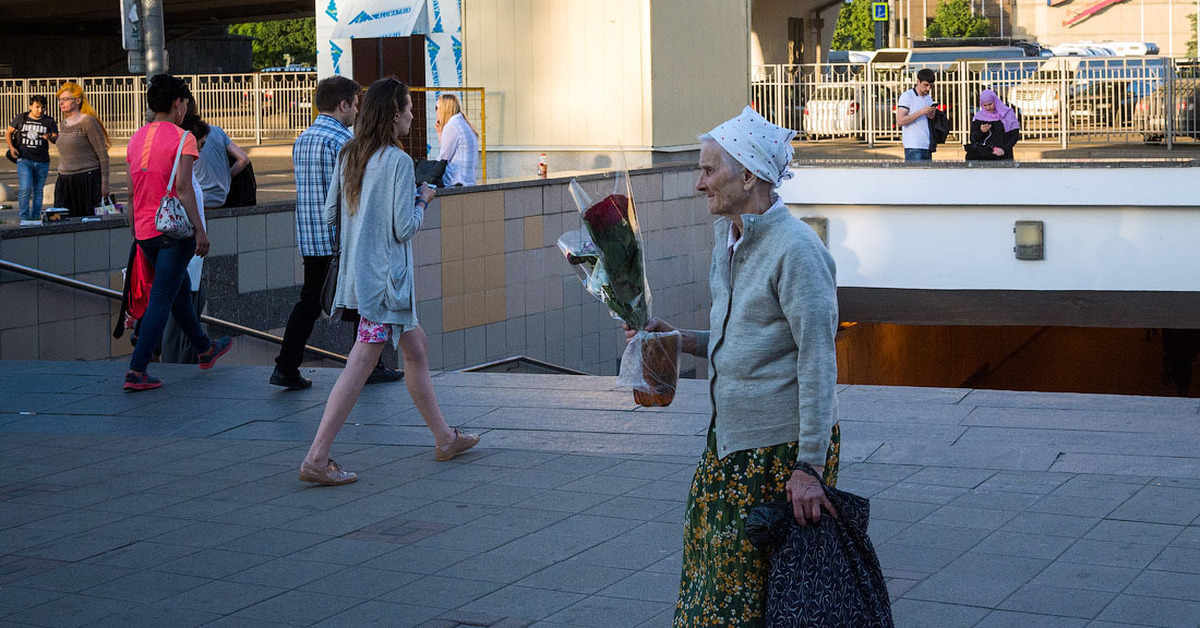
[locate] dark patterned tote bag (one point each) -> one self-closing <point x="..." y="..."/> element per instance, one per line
<point x="825" y="575"/>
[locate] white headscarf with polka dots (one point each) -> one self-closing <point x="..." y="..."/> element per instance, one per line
<point x="762" y="147"/>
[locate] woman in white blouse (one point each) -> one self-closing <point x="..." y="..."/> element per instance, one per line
<point x="459" y="142"/>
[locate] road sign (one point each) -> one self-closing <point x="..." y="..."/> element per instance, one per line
<point x="131" y="27"/>
<point x="879" y="12"/>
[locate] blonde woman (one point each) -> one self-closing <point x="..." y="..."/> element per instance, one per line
<point x="372" y="194"/>
<point x="459" y="142"/>
<point x="82" y="153"/>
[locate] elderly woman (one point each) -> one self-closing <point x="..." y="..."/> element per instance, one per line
<point x="771" y="349"/>
<point x="379" y="209"/>
<point x="82" y="154"/>
<point x="994" y="130"/>
<point x="459" y="142"/>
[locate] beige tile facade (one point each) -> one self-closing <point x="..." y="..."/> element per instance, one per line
<point x="490" y="280"/>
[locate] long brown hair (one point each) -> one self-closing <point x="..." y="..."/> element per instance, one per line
<point x="373" y="130"/>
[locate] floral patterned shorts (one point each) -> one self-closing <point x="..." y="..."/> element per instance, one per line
<point x="372" y="333"/>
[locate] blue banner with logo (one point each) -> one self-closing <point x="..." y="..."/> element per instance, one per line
<point x="373" y="18"/>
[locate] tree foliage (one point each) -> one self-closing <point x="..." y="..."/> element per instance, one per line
<point x="854" y="30"/>
<point x="1191" y="46"/>
<point x="954" y="19"/>
<point x="273" y="40"/>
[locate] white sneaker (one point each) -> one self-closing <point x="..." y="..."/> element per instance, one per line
<point x="31" y="223"/>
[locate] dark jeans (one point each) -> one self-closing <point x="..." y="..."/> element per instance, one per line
<point x="32" y="175"/>
<point x="304" y="315"/>
<point x="170" y="294"/>
<point x="918" y="154"/>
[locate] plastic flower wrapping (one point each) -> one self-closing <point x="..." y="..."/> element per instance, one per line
<point x="608" y="255"/>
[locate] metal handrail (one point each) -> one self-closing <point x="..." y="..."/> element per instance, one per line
<point x="113" y="294"/>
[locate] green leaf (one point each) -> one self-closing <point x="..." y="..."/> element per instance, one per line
<point x="272" y="40"/>
<point x="855" y="30"/>
<point x="954" y="19"/>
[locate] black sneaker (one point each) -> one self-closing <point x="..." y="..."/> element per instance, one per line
<point x="291" y="382"/>
<point x="382" y="375"/>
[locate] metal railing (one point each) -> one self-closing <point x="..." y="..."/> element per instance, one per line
<point x="249" y="107"/>
<point x="1058" y="99"/>
<point x="113" y="294"/>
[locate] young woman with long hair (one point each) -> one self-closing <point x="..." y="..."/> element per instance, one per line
<point x="82" y="153"/>
<point x="459" y="142"/>
<point x="373" y="196"/>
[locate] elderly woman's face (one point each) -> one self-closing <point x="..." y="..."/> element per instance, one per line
<point x="726" y="189"/>
<point x="989" y="106"/>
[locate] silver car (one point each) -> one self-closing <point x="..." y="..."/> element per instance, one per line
<point x="840" y="109"/>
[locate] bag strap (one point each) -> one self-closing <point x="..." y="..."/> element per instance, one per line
<point x="175" y="168"/>
<point x="337" y="224"/>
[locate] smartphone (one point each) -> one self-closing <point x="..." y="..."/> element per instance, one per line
<point x="936" y="105"/>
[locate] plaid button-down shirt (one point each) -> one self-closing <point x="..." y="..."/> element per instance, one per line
<point x="314" y="158"/>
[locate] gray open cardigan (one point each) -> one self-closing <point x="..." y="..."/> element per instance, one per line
<point x="771" y="337"/>
<point x="375" y="273"/>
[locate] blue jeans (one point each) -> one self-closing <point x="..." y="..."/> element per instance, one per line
<point x="32" y="175"/>
<point x="171" y="293"/>
<point x="918" y="154"/>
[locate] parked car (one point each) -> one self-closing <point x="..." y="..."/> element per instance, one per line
<point x="1150" y="114"/>
<point x="1039" y="95"/>
<point x="839" y="109"/>
<point x="292" y="67"/>
<point x="1103" y="105"/>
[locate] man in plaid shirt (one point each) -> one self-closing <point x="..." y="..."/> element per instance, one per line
<point x="314" y="158"/>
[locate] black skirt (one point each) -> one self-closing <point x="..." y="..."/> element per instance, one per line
<point x="78" y="192"/>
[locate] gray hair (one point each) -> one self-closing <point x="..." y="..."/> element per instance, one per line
<point x="734" y="165"/>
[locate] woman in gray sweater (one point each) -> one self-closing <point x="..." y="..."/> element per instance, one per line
<point x="372" y="194"/>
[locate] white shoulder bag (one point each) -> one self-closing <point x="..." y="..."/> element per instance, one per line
<point x="171" y="219"/>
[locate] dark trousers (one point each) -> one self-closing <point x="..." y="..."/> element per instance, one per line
<point x="170" y="294"/>
<point x="176" y="347"/>
<point x="304" y="315"/>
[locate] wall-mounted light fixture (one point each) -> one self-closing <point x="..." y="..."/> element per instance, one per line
<point x="820" y="225"/>
<point x="1030" y="240"/>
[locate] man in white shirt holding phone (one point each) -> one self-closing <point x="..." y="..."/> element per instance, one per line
<point x="914" y="110"/>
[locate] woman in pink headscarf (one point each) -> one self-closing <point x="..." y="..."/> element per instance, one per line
<point x="994" y="130"/>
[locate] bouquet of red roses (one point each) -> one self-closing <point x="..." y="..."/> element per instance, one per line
<point x="608" y="256"/>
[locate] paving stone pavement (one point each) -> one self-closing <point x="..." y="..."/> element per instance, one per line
<point x="181" y="507"/>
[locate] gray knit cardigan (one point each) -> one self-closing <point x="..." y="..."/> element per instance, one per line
<point x="771" y="338"/>
<point x="375" y="274"/>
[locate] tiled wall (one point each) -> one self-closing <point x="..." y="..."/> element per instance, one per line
<point x="490" y="281"/>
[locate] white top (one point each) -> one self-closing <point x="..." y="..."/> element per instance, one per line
<point x="460" y="147"/>
<point x="916" y="133"/>
<point x="195" y="268"/>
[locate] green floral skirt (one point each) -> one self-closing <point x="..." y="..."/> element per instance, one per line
<point x="724" y="576"/>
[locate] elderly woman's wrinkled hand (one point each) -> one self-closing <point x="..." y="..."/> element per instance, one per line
<point x="808" y="498"/>
<point x="655" y="324"/>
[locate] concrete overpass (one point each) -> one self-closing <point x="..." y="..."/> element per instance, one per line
<point x="67" y="38"/>
<point x="61" y="17"/>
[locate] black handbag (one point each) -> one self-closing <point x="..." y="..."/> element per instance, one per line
<point x="823" y="575"/>
<point x="429" y="171"/>
<point x="243" y="187"/>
